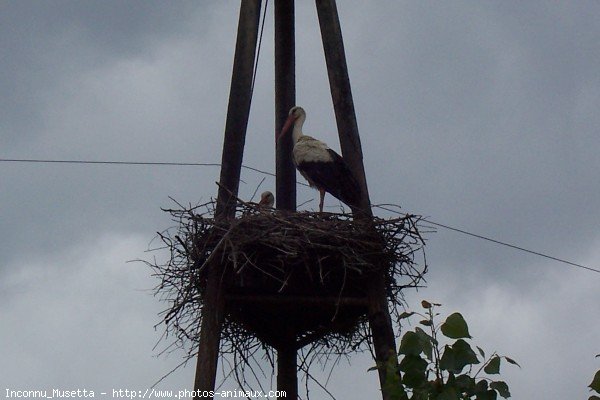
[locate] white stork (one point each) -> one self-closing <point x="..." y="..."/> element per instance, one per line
<point x="267" y="200"/>
<point x="323" y="168"/>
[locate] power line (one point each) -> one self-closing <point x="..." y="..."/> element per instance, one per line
<point x="178" y="164"/>
<point x="30" y="160"/>
<point x="513" y="246"/>
<point x="537" y="253"/>
<point x="158" y="163"/>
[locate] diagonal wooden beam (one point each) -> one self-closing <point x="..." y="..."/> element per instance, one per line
<point x="380" y="322"/>
<point x="341" y="94"/>
<point x="231" y="163"/>
<point x="238" y="110"/>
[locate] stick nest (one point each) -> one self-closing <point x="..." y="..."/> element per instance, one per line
<point x="299" y="276"/>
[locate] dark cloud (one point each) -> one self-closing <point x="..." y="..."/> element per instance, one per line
<point x="480" y="115"/>
<point x="45" y="43"/>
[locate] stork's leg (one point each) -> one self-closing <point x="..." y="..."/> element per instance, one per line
<point x="322" y="193"/>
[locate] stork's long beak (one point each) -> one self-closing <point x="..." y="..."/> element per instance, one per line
<point x="286" y="127"/>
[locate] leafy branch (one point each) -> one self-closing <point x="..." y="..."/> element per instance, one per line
<point x="432" y="369"/>
<point x="595" y="385"/>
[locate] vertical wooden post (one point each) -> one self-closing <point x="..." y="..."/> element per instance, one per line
<point x="379" y="317"/>
<point x="233" y="149"/>
<point x="285" y="98"/>
<point x="287" y="369"/>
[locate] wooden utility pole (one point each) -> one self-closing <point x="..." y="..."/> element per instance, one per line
<point x="231" y="163"/>
<point x="235" y="133"/>
<point x="287" y="367"/>
<point x="382" y="330"/>
<point x="285" y="98"/>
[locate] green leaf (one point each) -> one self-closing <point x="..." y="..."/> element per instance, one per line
<point x="595" y="385"/>
<point x="425" y="304"/>
<point x="481" y="351"/>
<point x="465" y="383"/>
<point x="372" y="369"/>
<point x="449" y="393"/>
<point x="464" y="352"/>
<point x="455" y="327"/>
<point x="481" y="386"/>
<point x="451" y="381"/>
<point x="420" y="394"/>
<point x="448" y="360"/>
<point x="501" y="388"/>
<point x="426" y="322"/>
<point x="405" y="315"/>
<point x="413" y="362"/>
<point x="410" y="344"/>
<point x="510" y="360"/>
<point x="457" y="356"/>
<point x="493" y="366"/>
<point x="594" y="398"/>
<point x="488" y="395"/>
<point x="426" y="342"/>
<point x="414" y="368"/>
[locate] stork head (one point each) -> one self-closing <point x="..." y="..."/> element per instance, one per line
<point x="267" y="200"/>
<point x="296" y="113"/>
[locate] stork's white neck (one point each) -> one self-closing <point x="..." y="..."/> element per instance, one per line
<point x="297" y="132"/>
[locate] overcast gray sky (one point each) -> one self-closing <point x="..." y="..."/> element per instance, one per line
<point x="482" y="115"/>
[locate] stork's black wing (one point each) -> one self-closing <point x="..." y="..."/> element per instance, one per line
<point x="335" y="177"/>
